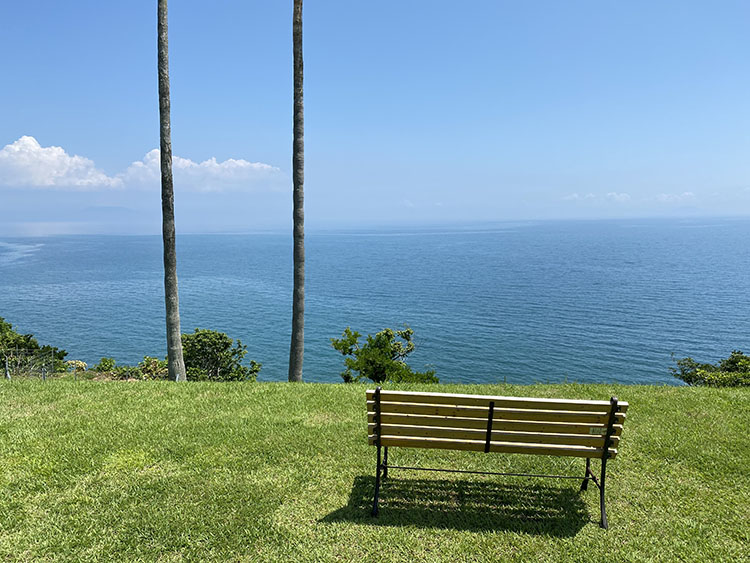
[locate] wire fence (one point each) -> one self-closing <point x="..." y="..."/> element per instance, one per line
<point x="23" y="363"/>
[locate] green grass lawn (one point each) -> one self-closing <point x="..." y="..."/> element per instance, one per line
<point x="160" y="471"/>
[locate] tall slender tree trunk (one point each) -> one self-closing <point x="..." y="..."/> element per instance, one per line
<point x="174" y="341"/>
<point x="297" y="348"/>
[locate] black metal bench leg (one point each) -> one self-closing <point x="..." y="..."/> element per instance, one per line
<point x="614" y="407"/>
<point x="603" y="522"/>
<point x="585" y="484"/>
<point x="377" y="486"/>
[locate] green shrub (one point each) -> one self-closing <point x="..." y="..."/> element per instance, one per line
<point x="736" y="362"/>
<point x="724" y="378"/>
<point x="105" y="365"/>
<point x="733" y="371"/>
<point x="195" y="374"/>
<point x="126" y="372"/>
<point x="10" y="340"/>
<point x="213" y="356"/>
<point x="380" y="358"/>
<point x="153" y="368"/>
<point x="76" y="366"/>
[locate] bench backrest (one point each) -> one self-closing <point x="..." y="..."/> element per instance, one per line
<point x="494" y="424"/>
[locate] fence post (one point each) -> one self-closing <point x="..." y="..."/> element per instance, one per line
<point x="7" y="370"/>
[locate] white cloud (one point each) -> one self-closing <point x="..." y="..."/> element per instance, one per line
<point x="618" y="197"/>
<point x="207" y="176"/>
<point x="578" y="197"/>
<point x="684" y="197"/>
<point x="25" y="163"/>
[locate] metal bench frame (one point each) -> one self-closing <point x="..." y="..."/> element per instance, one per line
<point x="382" y="466"/>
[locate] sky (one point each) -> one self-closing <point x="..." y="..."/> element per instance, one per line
<point x="416" y="113"/>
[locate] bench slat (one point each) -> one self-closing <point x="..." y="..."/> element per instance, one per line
<point x="392" y="430"/>
<point x="500" y="401"/>
<point x="499" y="447"/>
<point x="499" y="413"/>
<point x="518" y="425"/>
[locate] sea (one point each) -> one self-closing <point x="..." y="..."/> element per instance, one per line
<point x="523" y="302"/>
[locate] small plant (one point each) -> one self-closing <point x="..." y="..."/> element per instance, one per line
<point x="105" y="365"/>
<point x="153" y="368"/>
<point x="108" y="368"/>
<point x="380" y="358"/>
<point x="213" y="356"/>
<point x="76" y="366"/>
<point x="126" y="372"/>
<point x="733" y="371"/>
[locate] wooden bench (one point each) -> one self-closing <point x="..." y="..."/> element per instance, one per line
<point x="517" y="425"/>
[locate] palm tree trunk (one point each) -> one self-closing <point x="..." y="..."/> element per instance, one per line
<point x="297" y="348"/>
<point x="175" y="362"/>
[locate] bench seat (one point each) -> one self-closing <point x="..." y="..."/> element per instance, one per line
<point x="495" y="424"/>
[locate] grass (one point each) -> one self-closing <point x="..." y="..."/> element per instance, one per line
<point x="155" y="471"/>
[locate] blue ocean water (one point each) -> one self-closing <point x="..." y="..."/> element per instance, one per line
<point x="526" y="302"/>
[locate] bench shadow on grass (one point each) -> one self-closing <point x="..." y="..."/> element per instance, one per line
<point x="467" y="505"/>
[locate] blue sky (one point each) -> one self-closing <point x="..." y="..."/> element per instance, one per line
<point x="416" y="112"/>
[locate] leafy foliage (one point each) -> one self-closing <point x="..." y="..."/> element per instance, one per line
<point x="76" y="366"/>
<point x="733" y="371"/>
<point x="126" y="372"/>
<point x="209" y="356"/>
<point x="380" y="358"/>
<point x="105" y="365"/>
<point x="153" y="368"/>
<point x="11" y="340"/>
<point x="213" y="356"/>
<point x="108" y="368"/>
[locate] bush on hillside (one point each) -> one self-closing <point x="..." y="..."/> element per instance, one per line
<point x="126" y="372"/>
<point x="105" y="365"/>
<point x="733" y="371"/>
<point x="213" y="356"/>
<point x="76" y="366"/>
<point x="108" y="368"/>
<point x="380" y="358"/>
<point x="209" y="356"/>
<point x="10" y="340"/>
<point x="149" y="369"/>
<point x="153" y="368"/>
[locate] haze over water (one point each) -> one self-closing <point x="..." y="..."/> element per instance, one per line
<point x="523" y="302"/>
